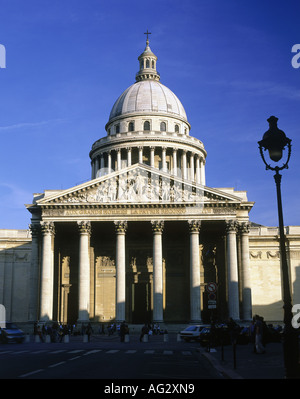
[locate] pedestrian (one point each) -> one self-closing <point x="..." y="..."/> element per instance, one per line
<point x="122" y="331"/>
<point x="252" y="334"/>
<point x="39" y="333"/>
<point x="260" y="349"/>
<point x="212" y="335"/>
<point x="89" y="331"/>
<point x="233" y="329"/>
<point x="144" y="331"/>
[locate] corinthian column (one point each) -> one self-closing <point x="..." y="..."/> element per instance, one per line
<point x="129" y="156"/>
<point x="183" y="158"/>
<point x="202" y="171"/>
<point x="109" y="161"/>
<point x="152" y="162"/>
<point x="140" y="155"/>
<point x="195" y="291"/>
<point x="157" y="228"/>
<point x="245" y="269"/>
<point x="119" y="159"/>
<point x="175" y="161"/>
<point x="164" y="163"/>
<point x="192" y="167"/>
<point x="121" y="228"/>
<point x="198" y="178"/>
<point x="232" y="270"/>
<point x="34" y="273"/>
<point x="84" y="272"/>
<point x="46" y="299"/>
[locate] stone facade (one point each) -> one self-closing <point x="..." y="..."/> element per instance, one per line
<point x="144" y="239"/>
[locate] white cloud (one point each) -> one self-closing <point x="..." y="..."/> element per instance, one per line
<point x="28" y="124"/>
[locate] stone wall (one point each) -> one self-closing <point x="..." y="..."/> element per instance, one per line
<point x="15" y="258"/>
<point x="266" y="270"/>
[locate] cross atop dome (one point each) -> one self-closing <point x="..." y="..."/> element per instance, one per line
<point x="147" y="62"/>
<point x="147" y="33"/>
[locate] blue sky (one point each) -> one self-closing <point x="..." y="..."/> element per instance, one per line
<point x="229" y="62"/>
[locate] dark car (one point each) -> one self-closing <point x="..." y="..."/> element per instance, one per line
<point x="11" y="333"/>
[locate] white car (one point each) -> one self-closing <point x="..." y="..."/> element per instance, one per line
<point x="192" y="333"/>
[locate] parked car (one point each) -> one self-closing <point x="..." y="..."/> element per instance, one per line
<point x="11" y="333"/>
<point x="192" y="333"/>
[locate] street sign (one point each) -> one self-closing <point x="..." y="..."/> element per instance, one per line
<point x="212" y="304"/>
<point x="212" y="297"/>
<point x="211" y="287"/>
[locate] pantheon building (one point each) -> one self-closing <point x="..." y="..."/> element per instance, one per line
<point x="146" y="239"/>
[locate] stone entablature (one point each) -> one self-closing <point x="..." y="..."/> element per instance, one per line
<point x="163" y="137"/>
<point x="141" y="192"/>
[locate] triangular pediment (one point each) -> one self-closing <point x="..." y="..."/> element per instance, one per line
<point x="138" y="184"/>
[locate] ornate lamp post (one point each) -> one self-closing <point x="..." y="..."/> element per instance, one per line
<point x="275" y="141"/>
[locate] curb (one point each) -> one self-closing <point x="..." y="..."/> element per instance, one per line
<point x="225" y="372"/>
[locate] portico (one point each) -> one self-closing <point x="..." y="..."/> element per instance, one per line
<point x="142" y="260"/>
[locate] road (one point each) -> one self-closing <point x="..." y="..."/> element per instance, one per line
<point x="106" y="358"/>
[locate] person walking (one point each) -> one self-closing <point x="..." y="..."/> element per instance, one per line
<point x="144" y="331"/>
<point x="259" y="335"/>
<point x="123" y="330"/>
<point x="89" y="331"/>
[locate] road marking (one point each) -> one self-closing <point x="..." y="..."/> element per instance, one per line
<point x="17" y="353"/>
<point x="57" y="364"/>
<point x="76" y="357"/>
<point x="76" y="351"/>
<point x="168" y="352"/>
<point x="186" y="353"/>
<point x="41" y="351"/>
<point x="32" y="372"/>
<point x="113" y="351"/>
<point x="93" y="351"/>
<point x="58" y="351"/>
<point x="131" y="351"/>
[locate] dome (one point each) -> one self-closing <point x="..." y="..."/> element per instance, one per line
<point x="148" y="96"/>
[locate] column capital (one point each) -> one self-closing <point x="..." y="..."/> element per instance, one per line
<point x="47" y="228"/>
<point x="84" y="227"/>
<point x="244" y="228"/>
<point x="231" y="226"/>
<point x="35" y="229"/>
<point x="157" y="226"/>
<point x="194" y="226"/>
<point x="120" y="226"/>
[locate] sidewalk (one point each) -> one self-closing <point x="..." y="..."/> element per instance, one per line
<point x="248" y="365"/>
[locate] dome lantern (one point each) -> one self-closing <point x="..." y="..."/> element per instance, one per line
<point x="147" y="61"/>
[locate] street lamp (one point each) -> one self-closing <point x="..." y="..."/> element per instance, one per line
<point x="275" y="141"/>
